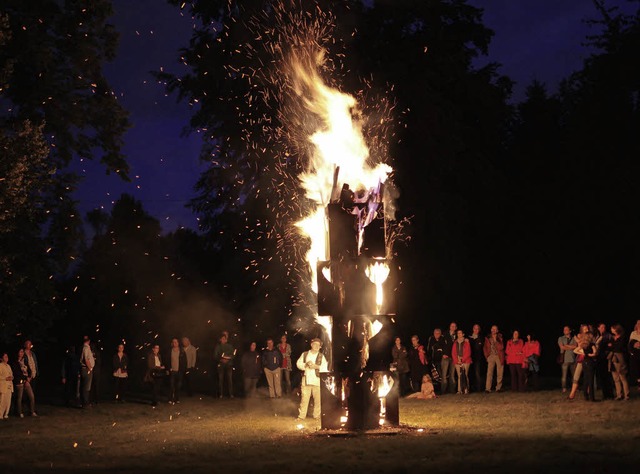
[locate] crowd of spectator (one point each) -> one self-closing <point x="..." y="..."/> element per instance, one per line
<point x="595" y="357"/>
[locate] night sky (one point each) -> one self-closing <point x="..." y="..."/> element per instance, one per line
<point x="534" y="39"/>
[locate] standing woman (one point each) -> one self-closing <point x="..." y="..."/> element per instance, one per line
<point x="22" y="383"/>
<point x="285" y="349"/>
<point x="120" y="373"/>
<point x="515" y="360"/>
<point x="579" y="352"/>
<point x="590" y="352"/>
<point x="634" y="353"/>
<point x="618" y="364"/>
<point x="6" y="386"/>
<point x="400" y="357"/>
<point x="461" y="355"/>
<point x="532" y="360"/>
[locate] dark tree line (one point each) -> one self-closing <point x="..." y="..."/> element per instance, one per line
<point x="521" y="214"/>
<point x="56" y="107"/>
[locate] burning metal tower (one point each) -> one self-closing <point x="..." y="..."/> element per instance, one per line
<point x="356" y="289"/>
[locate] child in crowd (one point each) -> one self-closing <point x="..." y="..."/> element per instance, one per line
<point x="426" y="390"/>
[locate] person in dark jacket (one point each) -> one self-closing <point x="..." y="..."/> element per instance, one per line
<point x="120" y="373"/>
<point x="71" y="377"/>
<point x="436" y="348"/>
<point x="271" y="362"/>
<point x="156" y="372"/>
<point x="251" y="370"/>
<point x="400" y="358"/>
<point x="177" y="367"/>
<point x="603" y="342"/>
<point x="223" y="356"/>
<point x="618" y="366"/>
<point x="478" y="361"/>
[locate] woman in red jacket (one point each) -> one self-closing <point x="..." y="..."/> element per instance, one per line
<point x="461" y="355"/>
<point x="515" y="361"/>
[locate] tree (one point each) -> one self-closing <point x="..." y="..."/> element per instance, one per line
<point x="598" y="166"/>
<point x="57" y="105"/>
<point x="573" y="159"/>
<point x="133" y="284"/>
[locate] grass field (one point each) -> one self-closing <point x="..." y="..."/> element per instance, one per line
<point x="505" y="432"/>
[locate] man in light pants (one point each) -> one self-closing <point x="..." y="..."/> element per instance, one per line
<point x="87" y="363"/>
<point x="494" y="352"/>
<point x="312" y="362"/>
<point x="271" y="362"/>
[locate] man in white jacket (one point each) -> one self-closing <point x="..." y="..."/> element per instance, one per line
<point x="312" y="362"/>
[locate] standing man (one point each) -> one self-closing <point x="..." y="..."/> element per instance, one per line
<point x="177" y="368"/>
<point x="604" y="342"/>
<point x="223" y="356"/>
<point x="312" y="363"/>
<point x="478" y="361"/>
<point x="191" y="353"/>
<point x="417" y="363"/>
<point x="272" y="363"/>
<point x="494" y="353"/>
<point x="155" y="373"/>
<point x="448" y="366"/>
<point x="567" y="343"/>
<point x="87" y="364"/>
<point x="436" y="347"/>
<point x="95" y="379"/>
<point x="32" y="360"/>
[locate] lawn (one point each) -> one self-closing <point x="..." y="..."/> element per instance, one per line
<point x="498" y="432"/>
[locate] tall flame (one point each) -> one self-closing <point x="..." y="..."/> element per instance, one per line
<point x="337" y="142"/>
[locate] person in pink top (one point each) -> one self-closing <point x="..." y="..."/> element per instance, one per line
<point x="532" y="361"/>
<point x="515" y="360"/>
<point x="461" y="355"/>
<point x="285" y="349"/>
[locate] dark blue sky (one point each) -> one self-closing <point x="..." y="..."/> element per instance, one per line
<point x="534" y="39"/>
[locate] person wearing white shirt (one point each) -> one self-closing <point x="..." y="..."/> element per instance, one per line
<point x="312" y="363"/>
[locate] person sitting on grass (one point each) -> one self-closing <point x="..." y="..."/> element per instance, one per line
<point x="426" y="389"/>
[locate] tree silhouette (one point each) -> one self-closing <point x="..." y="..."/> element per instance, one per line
<point x="57" y="106"/>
